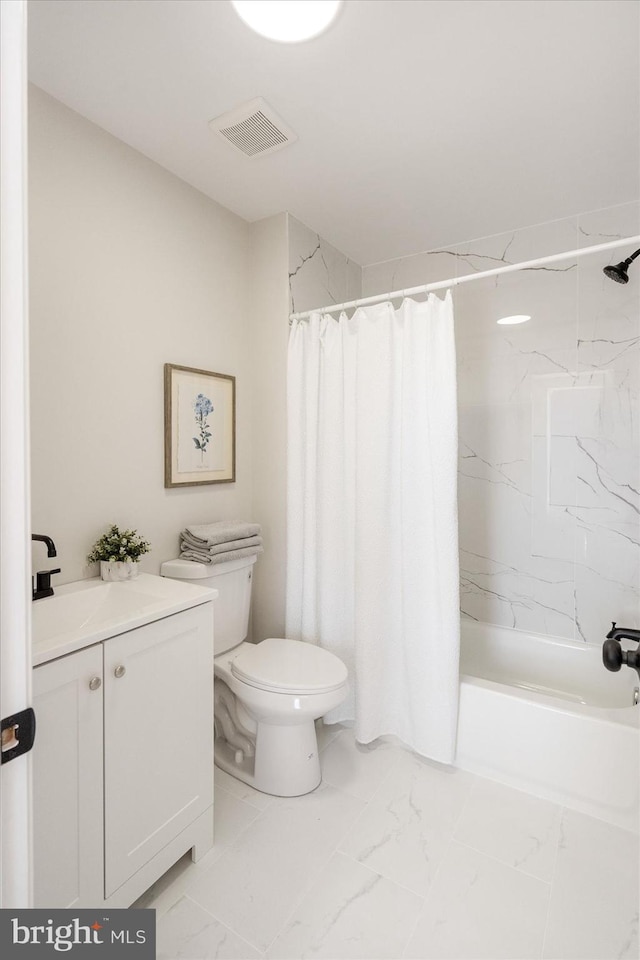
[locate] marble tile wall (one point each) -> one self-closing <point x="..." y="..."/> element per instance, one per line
<point x="549" y="470"/>
<point x="319" y="274"/>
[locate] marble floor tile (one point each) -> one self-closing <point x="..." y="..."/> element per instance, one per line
<point x="231" y="817"/>
<point x="241" y="790"/>
<point x="169" y="888"/>
<point x="479" y="908"/>
<point x="404" y="831"/>
<point x="356" y="768"/>
<point x="263" y="874"/>
<point x="593" y="914"/>
<point x="512" y="826"/>
<point x="351" y="913"/>
<point x="399" y="850"/>
<point x="187" y="932"/>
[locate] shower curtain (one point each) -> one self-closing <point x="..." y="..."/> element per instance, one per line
<point x="372" y="559"/>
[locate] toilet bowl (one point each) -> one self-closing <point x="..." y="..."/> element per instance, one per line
<point x="268" y="695"/>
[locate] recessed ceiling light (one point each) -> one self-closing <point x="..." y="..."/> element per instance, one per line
<point x="519" y="318"/>
<point x="288" y="21"/>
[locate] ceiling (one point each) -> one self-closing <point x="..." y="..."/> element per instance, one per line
<point x="421" y="123"/>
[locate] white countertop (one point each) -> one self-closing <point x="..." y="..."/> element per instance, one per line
<point x="88" y="611"/>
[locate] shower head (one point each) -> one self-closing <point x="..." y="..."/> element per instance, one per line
<point x="619" y="271"/>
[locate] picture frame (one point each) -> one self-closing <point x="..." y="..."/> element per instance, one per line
<point x="199" y="426"/>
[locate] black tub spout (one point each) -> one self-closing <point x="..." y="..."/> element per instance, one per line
<point x="623" y="633"/>
<point x="613" y="656"/>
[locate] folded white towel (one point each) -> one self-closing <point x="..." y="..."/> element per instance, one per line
<point x="188" y="542"/>
<point x="203" y="556"/>
<point x="222" y="531"/>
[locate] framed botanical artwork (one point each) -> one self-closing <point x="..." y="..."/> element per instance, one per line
<point x="199" y="427"/>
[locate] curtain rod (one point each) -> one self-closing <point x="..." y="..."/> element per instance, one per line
<point x="454" y="281"/>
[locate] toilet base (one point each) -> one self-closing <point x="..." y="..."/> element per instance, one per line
<point x="286" y="762"/>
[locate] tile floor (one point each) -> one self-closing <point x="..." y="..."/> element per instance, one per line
<point x="395" y="857"/>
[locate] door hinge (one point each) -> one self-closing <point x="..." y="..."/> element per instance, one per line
<point x="18" y="734"/>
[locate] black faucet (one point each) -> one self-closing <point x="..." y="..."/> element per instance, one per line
<point x="51" y="547"/>
<point x="43" y="586"/>
<point x="613" y="656"/>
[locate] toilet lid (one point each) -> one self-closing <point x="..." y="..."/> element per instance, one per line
<point x="289" y="666"/>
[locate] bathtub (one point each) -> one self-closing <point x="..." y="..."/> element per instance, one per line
<point x="543" y="714"/>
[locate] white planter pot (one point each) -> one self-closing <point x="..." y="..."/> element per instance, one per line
<point x="118" y="570"/>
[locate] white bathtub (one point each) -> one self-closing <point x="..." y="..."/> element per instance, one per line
<point x="545" y="716"/>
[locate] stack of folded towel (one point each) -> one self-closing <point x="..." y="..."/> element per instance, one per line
<point x="219" y="542"/>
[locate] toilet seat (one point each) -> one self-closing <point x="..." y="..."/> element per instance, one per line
<point x="289" y="666"/>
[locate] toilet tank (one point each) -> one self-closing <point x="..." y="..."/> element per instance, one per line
<point x="233" y="581"/>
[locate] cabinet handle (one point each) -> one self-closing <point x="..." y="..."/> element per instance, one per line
<point x="94" y="683"/>
<point x="119" y="671"/>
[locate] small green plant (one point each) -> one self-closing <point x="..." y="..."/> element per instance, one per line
<point x="126" y="546"/>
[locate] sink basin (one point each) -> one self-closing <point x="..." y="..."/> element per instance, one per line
<point x="88" y="611"/>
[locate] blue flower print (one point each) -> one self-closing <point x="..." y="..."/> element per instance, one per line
<point x="202" y="407"/>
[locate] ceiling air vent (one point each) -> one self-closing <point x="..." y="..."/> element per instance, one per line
<point x="254" y="129"/>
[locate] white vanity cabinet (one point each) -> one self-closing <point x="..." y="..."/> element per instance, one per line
<point x="158" y="721"/>
<point x="67" y="781"/>
<point x="123" y="761"/>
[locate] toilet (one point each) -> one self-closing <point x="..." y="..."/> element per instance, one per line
<point x="267" y="695"/>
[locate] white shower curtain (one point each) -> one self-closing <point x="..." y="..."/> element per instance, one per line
<point x="372" y="564"/>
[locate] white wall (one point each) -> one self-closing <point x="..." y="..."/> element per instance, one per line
<point x="130" y="268"/>
<point x="269" y="331"/>
<point x="549" y="426"/>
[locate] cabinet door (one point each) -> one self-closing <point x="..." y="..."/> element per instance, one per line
<point x="67" y="781"/>
<point x="158" y="737"/>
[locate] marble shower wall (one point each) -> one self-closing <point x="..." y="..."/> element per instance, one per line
<point x="319" y="274"/>
<point x="549" y="426"/>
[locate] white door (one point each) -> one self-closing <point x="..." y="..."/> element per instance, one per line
<point x="67" y="781"/>
<point x="158" y="733"/>
<point x="15" y="553"/>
